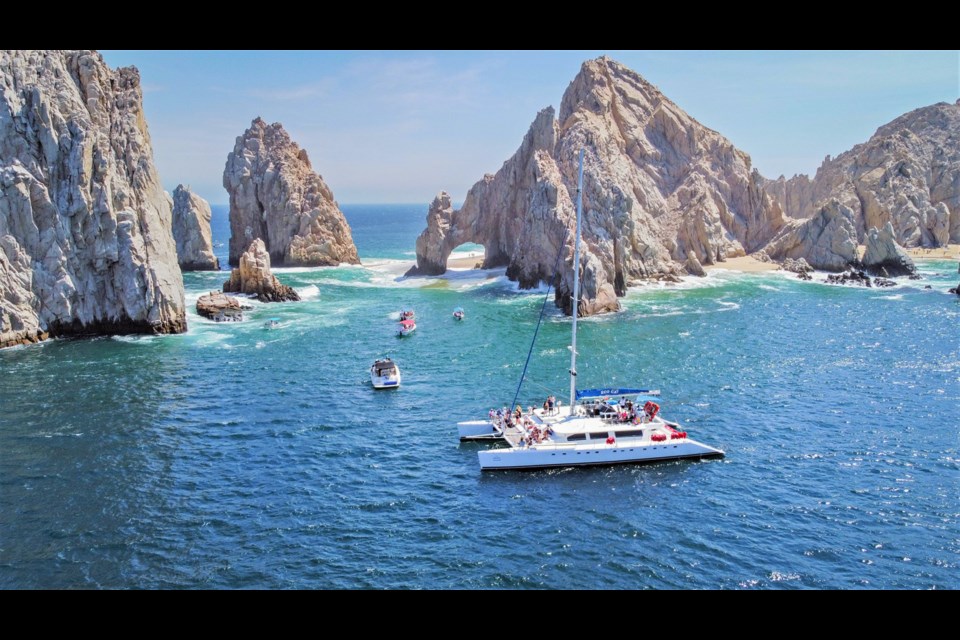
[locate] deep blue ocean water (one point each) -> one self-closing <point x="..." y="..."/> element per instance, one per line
<point x="235" y="457"/>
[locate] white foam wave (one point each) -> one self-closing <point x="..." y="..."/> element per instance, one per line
<point x="136" y="338"/>
<point x="309" y="292"/>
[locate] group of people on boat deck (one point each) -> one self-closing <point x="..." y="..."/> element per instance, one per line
<point x="534" y="433"/>
<point x="626" y="411"/>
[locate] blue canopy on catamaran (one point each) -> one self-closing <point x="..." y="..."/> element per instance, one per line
<point x="614" y="391"/>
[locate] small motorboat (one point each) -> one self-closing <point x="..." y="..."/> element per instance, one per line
<point x="458" y="313"/>
<point x="272" y="323"/>
<point x="385" y="374"/>
<point x="406" y="327"/>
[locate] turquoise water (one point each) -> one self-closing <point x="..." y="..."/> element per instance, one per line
<point x="235" y="457"/>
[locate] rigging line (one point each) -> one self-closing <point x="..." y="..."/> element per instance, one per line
<point x="549" y="391"/>
<point x="543" y="307"/>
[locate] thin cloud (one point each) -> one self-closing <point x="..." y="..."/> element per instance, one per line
<point x="309" y="91"/>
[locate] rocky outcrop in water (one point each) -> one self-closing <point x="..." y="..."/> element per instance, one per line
<point x="438" y="240"/>
<point x="907" y="174"/>
<point x="221" y="308"/>
<point x="827" y="241"/>
<point x="85" y="227"/>
<point x="659" y="189"/>
<point x="253" y="277"/>
<point x="850" y="277"/>
<point x="884" y="256"/>
<point x="276" y="196"/>
<point x="191" y="231"/>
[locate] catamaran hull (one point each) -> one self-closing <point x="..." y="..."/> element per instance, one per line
<point x="581" y="456"/>
<point x="478" y="430"/>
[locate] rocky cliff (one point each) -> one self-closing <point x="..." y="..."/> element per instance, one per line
<point x="191" y="231"/>
<point x="907" y="174"/>
<point x="660" y="191"/>
<point x="85" y="227"/>
<point x="827" y="241"/>
<point x="664" y="195"/>
<point x="276" y="196"/>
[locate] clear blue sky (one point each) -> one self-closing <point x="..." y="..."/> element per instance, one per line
<point x="385" y="126"/>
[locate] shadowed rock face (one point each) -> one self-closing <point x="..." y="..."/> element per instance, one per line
<point x="85" y="228"/>
<point x="191" y="231"/>
<point x="276" y="196"/>
<point x="907" y="174"/>
<point x="884" y="256"/>
<point x="660" y="191"/>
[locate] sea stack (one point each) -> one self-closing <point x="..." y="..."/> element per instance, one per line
<point x="85" y="228"/>
<point x="253" y="277"/>
<point x="276" y="196"/>
<point x="191" y="231"/>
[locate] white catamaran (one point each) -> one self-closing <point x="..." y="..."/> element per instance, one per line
<point x="601" y="426"/>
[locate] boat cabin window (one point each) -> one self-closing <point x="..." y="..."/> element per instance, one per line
<point x="628" y="434"/>
<point x="577" y="436"/>
<point x="599" y="435"/>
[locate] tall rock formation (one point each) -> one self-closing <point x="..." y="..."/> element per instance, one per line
<point x="85" y="227"/>
<point x="276" y="196"/>
<point x="907" y="174"/>
<point x="660" y="190"/>
<point x="253" y="277"/>
<point x="191" y="231"/>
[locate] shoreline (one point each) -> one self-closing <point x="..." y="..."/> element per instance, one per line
<point x="747" y="264"/>
<point x="743" y="264"/>
<point x="949" y="252"/>
<point x="467" y="262"/>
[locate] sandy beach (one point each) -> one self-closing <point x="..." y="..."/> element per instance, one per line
<point x="951" y="251"/>
<point x="747" y="264"/>
<point x="467" y="262"/>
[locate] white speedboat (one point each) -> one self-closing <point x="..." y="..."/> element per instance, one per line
<point x="599" y="427"/>
<point x="385" y="374"/>
<point x="405" y="328"/>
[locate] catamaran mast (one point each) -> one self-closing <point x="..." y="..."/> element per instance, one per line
<point x="575" y="300"/>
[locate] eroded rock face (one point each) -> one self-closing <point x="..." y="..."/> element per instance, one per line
<point x="438" y="240"/>
<point x="221" y="308"/>
<point x="276" y="196"/>
<point x="828" y="240"/>
<point x="85" y="227"/>
<point x="191" y="231"/>
<point x="253" y="276"/>
<point x="907" y="174"/>
<point x="659" y="189"/>
<point x="884" y="256"/>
